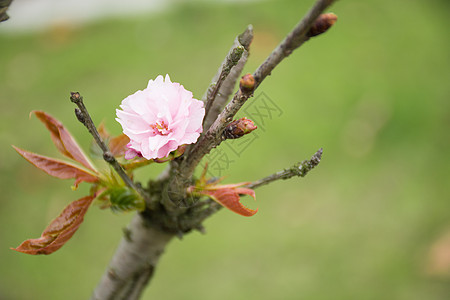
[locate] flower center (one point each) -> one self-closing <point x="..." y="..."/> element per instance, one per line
<point x="160" y="128"/>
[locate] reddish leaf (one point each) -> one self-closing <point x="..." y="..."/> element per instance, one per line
<point x="57" y="168"/>
<point x="228" y="196"/>
<point x="60" y="229"/>
<point x="104" y="134"/>
<point x="118" y="144"/>
<point x="62" y="139"/>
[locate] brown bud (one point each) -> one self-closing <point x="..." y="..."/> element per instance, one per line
<point x="322" y="24"/>
<point x="247" y="83"/>
<point x="80" y="115"/>
<point x="75" y="97"/>
<point x="239" y="128"/>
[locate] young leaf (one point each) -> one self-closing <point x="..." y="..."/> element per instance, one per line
<point x="118" y="145"/>
<point x="229" y="197"/>
<point x="124" y="199"/>
<point x="104" y="134"/>
<point x="62" y="139"/>
<point x="60" y="229"/>
<point x="57" y="168"/>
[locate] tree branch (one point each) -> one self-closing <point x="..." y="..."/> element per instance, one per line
<point x="84" y="117"/>
<point x="213" y="136"/>
<point x="299" y="169"/>
<point x="230" y="61"/>
<point x="292" y="41"/>
<point x="220" y="90"/>
<point x="134" y="262"/>
<point x="216" y="99"/>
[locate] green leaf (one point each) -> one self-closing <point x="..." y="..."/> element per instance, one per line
<point x="124" y="199"/>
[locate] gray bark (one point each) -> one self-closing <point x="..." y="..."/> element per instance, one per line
<point x="134" y="262"/>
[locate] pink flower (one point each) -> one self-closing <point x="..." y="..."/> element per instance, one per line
<point x="160" y="118"/>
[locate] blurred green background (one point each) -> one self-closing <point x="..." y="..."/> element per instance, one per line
<point x="371" y="222"/>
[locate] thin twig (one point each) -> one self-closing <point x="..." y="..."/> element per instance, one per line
<point x="223" y="82"/>
<point x="84" y="117"/>
<point x="218" y="99"/>
<point x="213" y="136"/>
<point x="292" y="41"/>
<point x="230" y="61"/>
<point x="299" y="169"/>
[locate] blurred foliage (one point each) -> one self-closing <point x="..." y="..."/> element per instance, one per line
<point x="124" y="199"/>
<point x="373" y="92"/>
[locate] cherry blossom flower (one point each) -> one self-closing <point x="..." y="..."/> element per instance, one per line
<point x="160" y="118"/>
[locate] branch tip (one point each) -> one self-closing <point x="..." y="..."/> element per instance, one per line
<point x="315" y="159"/>
<point x="231" y="60"/>
<point x="246" y="38"/>
<point x="305" y="166"/>
<point x="239" y="128"/>
<point x="293" y="40"/>
<point x="224" y="92"/>
<point x="213" y="136"/>
<point x="299" y="169"/>
<point x="75" y="97"/>
<point x="322" y="24"/>
<point x="84" y="117"/>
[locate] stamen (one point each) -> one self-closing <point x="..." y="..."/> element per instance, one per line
<point x="160" y="128"/>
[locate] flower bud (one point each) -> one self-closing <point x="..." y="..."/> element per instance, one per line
<point x="247" y="83"/>
<point x="75" y="97"/>
<point x="239" y="128"/>
<point x="322" y="24"/>
<point x="80" y="115"/>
